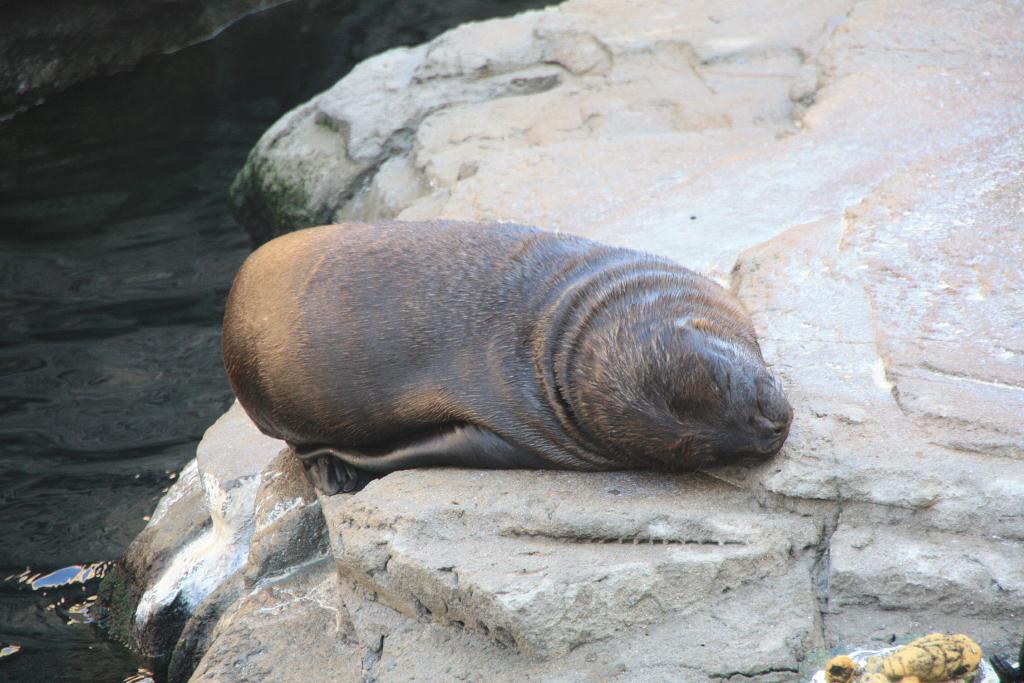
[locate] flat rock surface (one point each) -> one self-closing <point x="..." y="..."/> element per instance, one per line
<point x="852" y="170"/>
<point x="576" y="561"/>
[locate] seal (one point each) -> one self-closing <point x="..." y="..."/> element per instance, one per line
<point x="375" y="347"/>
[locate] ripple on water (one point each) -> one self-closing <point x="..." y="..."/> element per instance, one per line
<point x="65" y="576"/>
<point x="70" y="600"/>
<point x="9" y="650"/>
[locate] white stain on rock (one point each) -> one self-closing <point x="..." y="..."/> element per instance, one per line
<point x="228" y="465"/>
<point x="214" y="556"/>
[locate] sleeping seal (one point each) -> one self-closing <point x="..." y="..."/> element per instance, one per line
<point x="371" y="348"/>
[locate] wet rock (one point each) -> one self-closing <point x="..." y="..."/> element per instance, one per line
<point x="180" y="517"/>
<point x="241" y="515"/>
<point x="288" y="532"/>
<point x="289" y="524"/>
<point x="198" y="537"/>
<point x="195" y="637"/>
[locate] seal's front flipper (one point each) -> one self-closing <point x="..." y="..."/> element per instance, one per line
<point x="328" y="472"/>
<point x="344" y="470"/>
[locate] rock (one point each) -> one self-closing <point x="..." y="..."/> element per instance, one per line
<point x="892" y="581"/>
<point x="893" y="326"/>
<point x="49" y="46"/>
<point x="180" y="517"/>
<point x="291" y="182"/>
<point x="241" y="517"/>
<point x="288" y="629"/>
<point x="288" y="532"/>
<point x="289" y="524"/>
<point x="230" y="460"/>
<point x="576" y="99"/>
<point x="852" y="171"/>
<point x="555" y="565"/>
<point x="198" y="537"/>
<point x="197" y="633"/>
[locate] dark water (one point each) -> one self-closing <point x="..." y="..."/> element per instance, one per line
<point x="117" y="249"/>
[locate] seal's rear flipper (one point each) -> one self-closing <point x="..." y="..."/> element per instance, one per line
<point x="328" y="473"/>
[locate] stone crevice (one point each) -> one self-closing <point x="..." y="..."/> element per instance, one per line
<point x="638" y="539"/>
<point x="965" y="377"/>
<point x="821" y="570"/>
<point x="763" y="674"/>
<point x="372" y="659"/>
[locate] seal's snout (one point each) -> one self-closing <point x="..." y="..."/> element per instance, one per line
<point x="771" y="424"/>
<point x="767" y="414"/>
<point x="770" y="434"/>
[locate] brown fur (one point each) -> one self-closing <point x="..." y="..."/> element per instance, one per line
<point x="577" y="355"/>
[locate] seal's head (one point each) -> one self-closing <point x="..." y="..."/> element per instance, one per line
<point x="679" y="392"/>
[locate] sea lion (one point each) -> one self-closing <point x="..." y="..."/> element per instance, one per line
<point x="371" y="348"/>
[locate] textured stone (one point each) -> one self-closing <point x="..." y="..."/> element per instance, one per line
<point x="288" y="532"/>
<point x="936" y="578"/>
<point x="555" y="565"/>
<point x="197" y="541"/>
<point x="596" y="108"/>
<point x="288" y="629"/>
<point x="894" y="324"/>
<point x="179" y="517"/>
<point x="196" y="636"/>
<point x="289" y="525"/>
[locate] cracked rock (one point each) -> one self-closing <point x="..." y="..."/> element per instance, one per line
<point x="547" y="568"/>
<point x="289" y="629"/>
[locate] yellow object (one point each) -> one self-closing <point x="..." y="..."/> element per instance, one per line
<point x="841" y="669"/>
<point x="935" y="658"/>
<point x="932" y="658"/>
